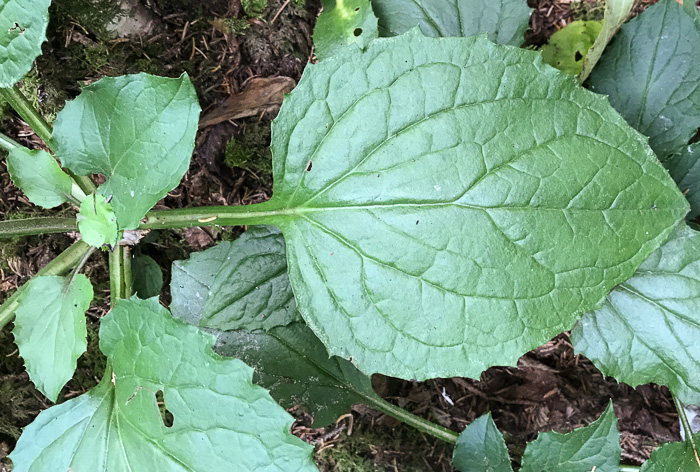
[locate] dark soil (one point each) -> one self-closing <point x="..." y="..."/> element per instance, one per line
<point x="551" y="389"/>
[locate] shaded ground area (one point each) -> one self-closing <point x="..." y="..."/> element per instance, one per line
<point x="223" y="45"/>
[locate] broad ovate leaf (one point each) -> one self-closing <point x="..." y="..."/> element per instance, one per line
<point x="342" y="23"/>
<point x="456" y="203"/>
<point x="647" y="328"/>
<point x="239" y="285"/>
<point x="147" y="277"/>
<point x="136" y="130"/>
<point x="685" y="170"/>
<point x="481" y="448"/>
<point x="568" y="47"/>
<point x="39" y="176"/>
<point x="504" y="21"/>
<point x="674" y="457"/>
<point x="22" y="31"/>
<point x="220" y="419"/>
<point x="294" y="365"/>
<point x="651" y="73"/>
<point x="616" y="13"/>
<point x="50" y="329"/>
<point x="97" y="222"/>
<point x="593" y="447"/>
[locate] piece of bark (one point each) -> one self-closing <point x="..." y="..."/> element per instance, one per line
<point x="261" y="95"/>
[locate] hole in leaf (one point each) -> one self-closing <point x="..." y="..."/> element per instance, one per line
<point x="357" y="9"/>
<point x="308" y="168"/>
<point x="357" y="32"/>
<point x="165" y="414"/>
<point x="578" y="56"/>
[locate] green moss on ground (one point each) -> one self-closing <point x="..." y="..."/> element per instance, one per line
<point x="251" y="151"/>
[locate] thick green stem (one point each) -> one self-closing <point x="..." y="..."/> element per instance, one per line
<point x="8" y="144"/>
<point x="126" y="271"/>
<point x="26" y="110"/>
<point x="410" y="419"/>
<point x="29" y="226"/>
<point x="120" y="273"/>
<point x="61" y="265"/>
<point x="239" y="215"/>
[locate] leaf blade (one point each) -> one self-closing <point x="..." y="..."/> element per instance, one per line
<point x="504" y="21"/>
<point x="645" y="330"/>
<point x="50" y="329"/>
<point x="391" y="238"/>
<point x="481" y="448"/>
<point x="343" y="23"/>
<point x="22" y="31"/>
<point x="660" y="46"/>
<point x="151" y="351"/>
<point x="685" y="170"/>
<point x="239" y="285"/>
<point x="596" y="446"/>
<point x="39" y="176"/>
<point x="115" y="123"/>
<point x="294" y="365"/>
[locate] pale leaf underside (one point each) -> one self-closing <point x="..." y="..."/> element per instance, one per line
<point x="648" y="327"/>
<point x="438" y="230"/>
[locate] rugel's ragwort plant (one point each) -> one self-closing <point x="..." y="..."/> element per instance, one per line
<point x="444" y="204"/>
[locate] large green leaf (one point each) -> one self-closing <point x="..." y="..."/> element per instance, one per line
<point x="648" y="327"/>
<point x="292" y="363"/>
<point x="342" y="23"/>
<point x="651" y="72"/>
<point x="22" y="31"/>
<point x="593" y="447"/>
<point x="136" y="130"/>
<point x="481" y="448"/>
<point x="39" y="176"/>
<point x="685" y="170"/>
<point x="456" y="203"/>
<point x="504" y="21"/>
<point x="239" y="285"/>
<point x="673" y="457"/>
<point x="616" y="13"/>
<point x="50" y="329"/>
<point x="220" y="419"/>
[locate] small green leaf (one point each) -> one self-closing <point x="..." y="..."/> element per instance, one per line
<point x="568" y="47"/>
<point x="648" y="327"/>
<point x="616" y="13"/>
<point x="505" y="21"/>
<point x="136" y="130"/>
<point x="342" y="23"/>
<point x="22" y="31"/>
<point x="673" y="457"/>
<point x="596" y="446"/>
<point x="39" y="176"/>
<point x="685" y="170"/>
<point x="97" y="222"/>
<point x="456" y="203"/>
<point x="651" y="73"/>
<point x="147" y="277"/>
<point x="239" y="285"/>
<point x="220" y="419"/>
<point x="481" y="448"/>
<point x="292" y="363"/>
<point x="50" y="329"/>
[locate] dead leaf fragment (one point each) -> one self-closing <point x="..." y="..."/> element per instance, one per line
<point x="261" y="95"/>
